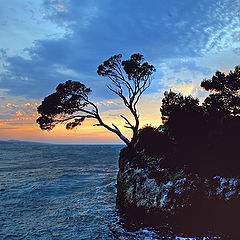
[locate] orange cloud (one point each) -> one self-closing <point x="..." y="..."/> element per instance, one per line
<point x="10" y="105"/>
<point x="22" y="125"/>
<point x="19" y="114"/>
<point x="25" y="128"/>
<point x="110" y="102"/>
<point x="187" y="89"/>
<point x="27" y="104"/>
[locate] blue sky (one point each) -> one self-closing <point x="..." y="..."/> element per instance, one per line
<point x="47" y="42"/>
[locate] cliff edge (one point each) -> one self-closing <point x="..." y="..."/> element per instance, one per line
<point x="198" y="203"/>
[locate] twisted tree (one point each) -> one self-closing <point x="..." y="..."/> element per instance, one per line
<point x="70" y="103"/>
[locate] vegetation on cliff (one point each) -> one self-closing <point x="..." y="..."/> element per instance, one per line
<point x="202" y="138"/>
<point x="195" y="137"/>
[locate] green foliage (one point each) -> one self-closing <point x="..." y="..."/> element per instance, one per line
<point x="162" y="128"/>
<point x="173" y="176"/>
<point x="123" y="186"/>
<point x="151" y="159"/>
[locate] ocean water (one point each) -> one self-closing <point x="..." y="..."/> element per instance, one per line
<point x="62" y="192"/>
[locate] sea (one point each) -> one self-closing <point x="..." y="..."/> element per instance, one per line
<point x="63" y="192"/>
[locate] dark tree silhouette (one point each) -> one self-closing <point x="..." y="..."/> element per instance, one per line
<point x="153" y="142"/>
<point x="225" y="97"/>
<point x="205" y="137"/>
<point x="70" y="103"/>
<point x="184" y="122"/>
<point x="172" y="103"/>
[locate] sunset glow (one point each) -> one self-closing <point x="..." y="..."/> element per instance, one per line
<point x="61" y="40"/>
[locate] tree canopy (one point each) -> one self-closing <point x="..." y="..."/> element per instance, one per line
<point x="203" y="138"/>
<point x="225" y="93"/>
<point x="70" y="97"/>
<point x="70" y="103"/>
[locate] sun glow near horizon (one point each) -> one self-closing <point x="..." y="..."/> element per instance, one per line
<point x="73" y="37"/>
<point x="21" y="123"/>
<point x="25" y="127"/>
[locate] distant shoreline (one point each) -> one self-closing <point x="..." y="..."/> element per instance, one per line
<point x="49" y="143"/>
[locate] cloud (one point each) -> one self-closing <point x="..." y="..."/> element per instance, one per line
<point x="95" y="30"/>
<point x="184" y="76"/>
<point x="22" y="23"/>
<point x="18" y="109"/>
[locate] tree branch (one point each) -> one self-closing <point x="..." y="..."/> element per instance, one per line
<point x="127" y="122"/>
<point x="119" y="93"/>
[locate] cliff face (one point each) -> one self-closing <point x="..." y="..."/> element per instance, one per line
<point x="147" y="187"/>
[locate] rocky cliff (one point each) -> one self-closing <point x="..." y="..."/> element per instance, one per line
<point x="144" y="186"/>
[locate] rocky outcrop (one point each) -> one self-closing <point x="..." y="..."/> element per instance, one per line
<point x="149" y="188"/>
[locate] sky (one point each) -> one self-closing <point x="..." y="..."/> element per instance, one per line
<point x="46" y="42"/>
